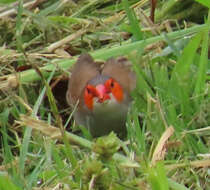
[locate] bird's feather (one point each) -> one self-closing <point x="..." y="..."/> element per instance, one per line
<point x="84" y="70"/>
<point x="120" y="70"/>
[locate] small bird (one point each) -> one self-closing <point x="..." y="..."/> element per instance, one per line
<point x="103" y="92"/>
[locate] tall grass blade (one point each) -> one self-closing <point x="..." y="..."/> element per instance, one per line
<point x="53" y="106"/>
<point x="180" y="88"/>
<point x="33" y="177"/>
<point x="19" y="27"/>
<point x="28" y="130"/>
<point x="202" y="69"/>
<point x="157" y="177"/>
<point x="4" y="116"/>
<point x="135" y="28"/>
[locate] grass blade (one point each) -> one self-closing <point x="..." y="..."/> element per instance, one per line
<point x="180" y="88"/>
<point x="204" y="2"/>
<point x="157" y="177"/>
<point x="19" y="27"/>
<point x="135" y="28"/>
<point x="28" y="130"/>
<point x="202" y="70"/>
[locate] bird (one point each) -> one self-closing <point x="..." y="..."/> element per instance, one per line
<point x="102" y="93"/>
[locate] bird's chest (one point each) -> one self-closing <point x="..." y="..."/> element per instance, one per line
<point x="107" y="117"/>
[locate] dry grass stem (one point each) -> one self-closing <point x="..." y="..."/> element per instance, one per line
<point x="65" y="40"/>
<point x="9" y="81"/>
<point x="196" y="164"/>
<point x="160" y="150"/>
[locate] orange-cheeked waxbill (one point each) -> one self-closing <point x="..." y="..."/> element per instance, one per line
<point x="103" y="93"/>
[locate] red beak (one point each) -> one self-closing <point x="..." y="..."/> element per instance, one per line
<point x="102" y="93"/>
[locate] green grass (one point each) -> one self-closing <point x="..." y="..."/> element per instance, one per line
<point x="167" y="146"/>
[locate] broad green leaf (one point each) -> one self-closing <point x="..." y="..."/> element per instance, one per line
<point x="204" y="2"/>
<point x="7" y="184"/>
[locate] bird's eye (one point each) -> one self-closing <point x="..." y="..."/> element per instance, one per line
<point x="112" y="84"/>
<point x="88" y="90"/>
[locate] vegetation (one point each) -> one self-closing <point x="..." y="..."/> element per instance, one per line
<point x="168" y="140"/>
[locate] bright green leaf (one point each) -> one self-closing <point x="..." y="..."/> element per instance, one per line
<point x="204" y="2"/>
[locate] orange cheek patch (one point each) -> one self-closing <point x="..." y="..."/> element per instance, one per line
<point x="90" y="93"/>
<point x="117" y="92"/>
<point x="115" y="88"/>
<point x="88" y="101"/>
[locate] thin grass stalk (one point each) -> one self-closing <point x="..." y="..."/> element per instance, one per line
<point x="27" y="133"/>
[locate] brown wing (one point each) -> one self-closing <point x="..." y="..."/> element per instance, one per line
<point x="120" y="70"/>
<point x="83" y="70"/>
